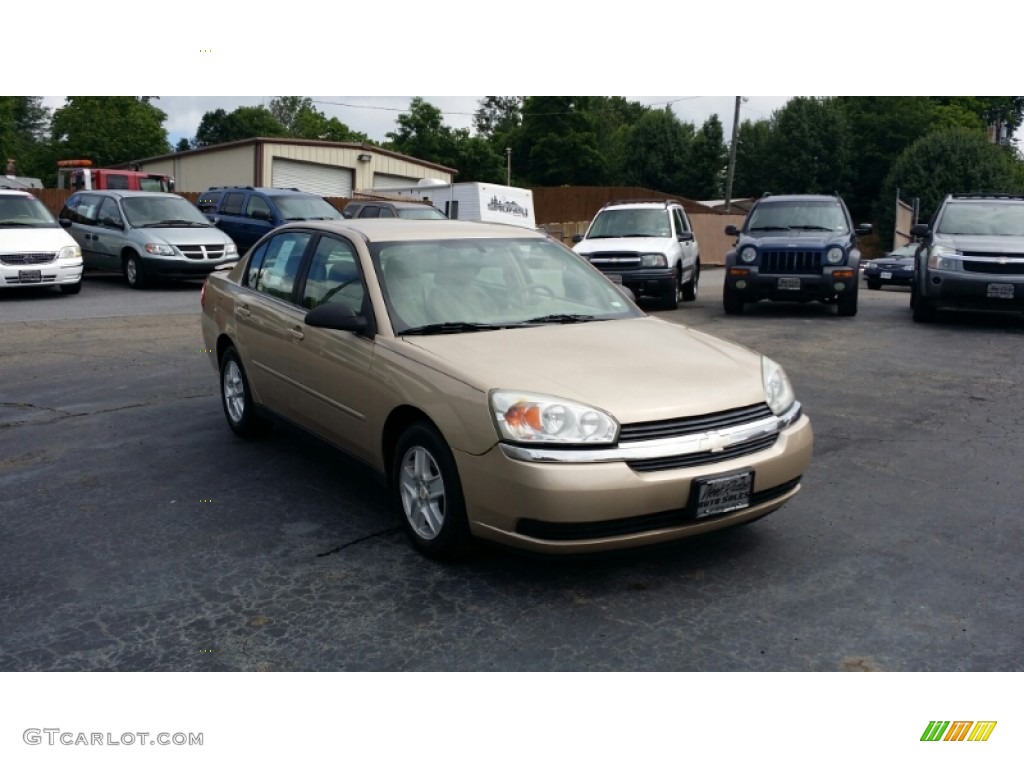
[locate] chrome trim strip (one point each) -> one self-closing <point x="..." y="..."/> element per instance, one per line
<point x="714" y="440"/>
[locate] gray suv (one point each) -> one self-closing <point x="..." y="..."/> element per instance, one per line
<point x="972" y="256"/>
<point x="145" y="236"/>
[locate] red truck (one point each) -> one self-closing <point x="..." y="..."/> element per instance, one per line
<point x="79" y="174"/>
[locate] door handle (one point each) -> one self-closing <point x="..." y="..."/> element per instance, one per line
<point x="296" y="333"/>
<point x="243" y="310"/>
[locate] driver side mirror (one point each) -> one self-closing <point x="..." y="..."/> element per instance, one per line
<point x="686" y="237"/>
<point x="577" y="238"/>
<point x="730" y="229"/>
<point x="260" y="214"/>
<point x="920" y="230"/>
<point x="336" y="316"/>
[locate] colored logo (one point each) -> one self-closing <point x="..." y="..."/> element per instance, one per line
<point x="958" y="730"/>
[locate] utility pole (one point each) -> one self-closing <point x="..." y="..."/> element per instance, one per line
<point x="732" y="155"/>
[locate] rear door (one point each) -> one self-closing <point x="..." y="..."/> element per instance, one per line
<point x="688" y="249"/>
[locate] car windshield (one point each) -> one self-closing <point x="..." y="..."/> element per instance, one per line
<point x="24" y="211"/>
<point x="471" y="284"/>
<point x="158" y="211"/>
<point x="303" y="208"/>
<point x="631" y="222"/>
<point x="419" y="212"/>
<point x="812" y="215"/>
<point x="988" y="218"/>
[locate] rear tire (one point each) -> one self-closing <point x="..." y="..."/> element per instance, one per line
<point x="236" y="398"/>
<point x="921" y="308"/>
<point x="690" y="288"/>
<point x="427" y="493"/>
<point x="732" y="302"/>
<point x="874" y="285"/>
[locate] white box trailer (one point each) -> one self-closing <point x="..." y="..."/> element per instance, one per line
<point x="474" y="201"/>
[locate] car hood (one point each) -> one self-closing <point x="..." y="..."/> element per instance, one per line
<point x="17" y="239"/>
<point x="183" y="235"/>
<point x="616" y="244"/>
<point x="886" y="263"/>
<point x="640" y="369"/>
<point x="797" y="239"/>
<point x="982" y="243"/>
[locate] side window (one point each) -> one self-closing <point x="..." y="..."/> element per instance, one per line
<point x="280" y="266"/>
<point x="252" y="272"/>
<point x="334" y="275"/>
<point x="369" y="212"/>
<point x="257" y="207"/>
<point x="116" y="181"/>
<point x="387" y="213"/>
<point x="85" y="209"/>
<point x="232" y="203"/>
<point x="109" y="215"/>
<point x="682" y="224"/>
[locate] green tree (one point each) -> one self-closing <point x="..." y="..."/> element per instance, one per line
<point x="655" y="151"/>
<point x="24" y="134"/>
<point x="421" y="133"/>
<point x="754" y="161"/>
<point x="302" y="120"/>
<point x="558" y="143"/>
<point x="218" y="126"/>
<point x="497" y="116"/>
<point x="810" y="145"/>
<point x="704" y="178"/>
<point x="109" y="129"/>
<point x="945" y="161"/>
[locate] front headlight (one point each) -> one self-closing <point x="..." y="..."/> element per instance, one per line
<point x="748" y="254"/>
<point x="69" y="252"/>
<point x="158" y="249"/>
<point x="527" y="417"/>
<point x="834" y="255"/>
<point x="653" y="260"/>
<point x="943" y="258"/>
<point x="230" y="250"/>
<point x="778" y="392"/>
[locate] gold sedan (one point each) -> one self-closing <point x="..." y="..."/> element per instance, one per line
<point x="503" y="387"/>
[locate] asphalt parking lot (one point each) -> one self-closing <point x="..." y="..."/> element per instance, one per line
<point x="138" y="533"/>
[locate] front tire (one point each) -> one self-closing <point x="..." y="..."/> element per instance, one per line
<point x="427" y="492"/>
<point x="135" y="272"/>
<point x="236" y="398"/>
<point x="921" y="307"/>
<point x="732" y="302"/>
<point x="70" y="289"/>
<point x="874" y="285"/>
<point x="671" y="298"/>
<point x="690" y="288"/>
<point x="847" y="304"/>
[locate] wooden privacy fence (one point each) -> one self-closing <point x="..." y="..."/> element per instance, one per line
<point x="708" y="228"/>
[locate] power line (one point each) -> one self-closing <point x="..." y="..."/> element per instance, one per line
<point x="471" y="114"/>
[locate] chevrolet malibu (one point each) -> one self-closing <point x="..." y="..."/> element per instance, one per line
<point x="502" y="387"/>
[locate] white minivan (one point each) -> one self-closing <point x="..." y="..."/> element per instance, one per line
<point x="35" y="250"/>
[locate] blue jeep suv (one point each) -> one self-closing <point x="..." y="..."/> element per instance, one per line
<point x="794" y="248"/>
<point x="247" y="213"/>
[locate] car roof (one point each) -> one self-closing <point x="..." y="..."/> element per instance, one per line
<point x="390" y="230"/>
<point x="17" y="193"/>
<point x="126" y="193"/>
<point x="802" y="198"/>
<point x="393" y="203"/>
<point x="272" y="191"/>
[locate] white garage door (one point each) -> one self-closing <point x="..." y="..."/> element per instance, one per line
<point x="386" y="181"/>
<point x="324" y="180"/>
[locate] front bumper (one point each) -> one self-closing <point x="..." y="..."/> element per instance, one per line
<point x="752" y="285"/>
<point x="895" y="276"/>
<point x="184" y="269"/>
<point x="974" y="291"/>
<point x="646" y="282"/>
<point x="595" y="506"/>
<point x="66" y="272"/>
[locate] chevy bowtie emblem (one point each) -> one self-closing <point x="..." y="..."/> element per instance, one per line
<point x="715" y="442"/>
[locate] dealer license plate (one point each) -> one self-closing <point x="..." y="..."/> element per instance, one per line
<point x="789" y="283"/>
<point x="886" y="275"/>
<point x="725" y="493"/>
<point x="36" y="276"/>
<point x="1000" y="291"/>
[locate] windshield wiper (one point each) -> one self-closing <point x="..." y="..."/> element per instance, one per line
<point x="768" y="229"/>
<point x="295" y="218"/>
<point x="432" y="328"/>
<point x="811" y="226"/>
<point x="561" y="319"/>
<point x="16" y="224"/>
<point x="177" y="223"/>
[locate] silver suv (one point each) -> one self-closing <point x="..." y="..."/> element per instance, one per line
<point x="145" y="236"/>
<point x="972" y="256"/>
<point x="648" y="246"/>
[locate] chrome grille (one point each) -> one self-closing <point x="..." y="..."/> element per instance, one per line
<point x="791" y="262"/>
<point x="706" y="457"/>
<point x="40" y="257"/>
<point x="615" y="261"/>
<point x="202" y="251"/>
<point x="657" y="430"/>
<point x="995" y="265"/>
